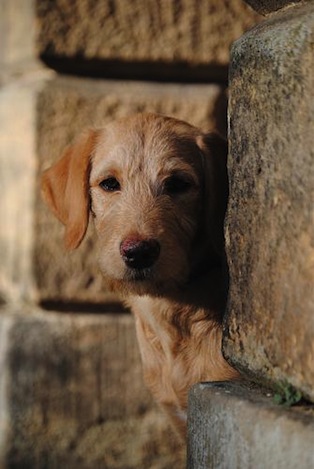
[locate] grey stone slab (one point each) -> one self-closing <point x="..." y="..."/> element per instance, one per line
<point x="234" y="426"/>
<point x="269" y="229"/>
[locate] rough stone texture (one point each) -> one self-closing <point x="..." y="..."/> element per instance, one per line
<point x="65" y="107"/>
<point x="18" y="170"/>
<point x="268" y="6"/>
<point x="17" y="31"/>
<point x="232" y="426"/>
<point x="72" y="395"/>
<point x="17" y="39"/>
<point x="191" y="31"/>
<point x="269" y="232"/>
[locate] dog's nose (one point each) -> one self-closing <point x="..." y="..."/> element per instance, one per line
<point x="139" y="253"/>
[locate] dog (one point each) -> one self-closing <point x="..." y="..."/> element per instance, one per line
<point x="156" y="189"/>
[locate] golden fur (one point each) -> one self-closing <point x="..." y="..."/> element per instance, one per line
<point x="172" y="189"/>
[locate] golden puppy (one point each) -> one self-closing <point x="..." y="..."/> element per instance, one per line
<point x="157" y="190"/>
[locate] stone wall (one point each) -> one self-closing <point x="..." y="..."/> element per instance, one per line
<point x="71" y="390"/>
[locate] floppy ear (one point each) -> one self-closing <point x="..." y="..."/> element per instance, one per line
<point x="65" y="188"/>
<point x="214" y="151"/>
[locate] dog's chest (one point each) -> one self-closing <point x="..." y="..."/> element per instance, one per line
<point x="162" y="351"/>
<point x="155" y="334"/>
<point x="158" y="339"/>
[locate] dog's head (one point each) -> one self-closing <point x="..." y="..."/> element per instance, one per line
<point x="157" y="190"/>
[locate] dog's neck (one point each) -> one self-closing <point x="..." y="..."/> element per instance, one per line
<point x="208" y="278"/>
<point x="201" y="297"/>
<point x="206" y="288"/>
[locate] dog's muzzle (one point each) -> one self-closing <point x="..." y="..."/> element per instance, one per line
<point x="139" y="253"/>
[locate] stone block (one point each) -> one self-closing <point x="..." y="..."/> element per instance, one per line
<point x="65" y="107"/>
<point x="17" y="31"/>
<point x="269" y="230"/>
<point x="233" y="426"/>
<point x="166" y="31"/>
<point x="72" y="395"/>
<point x="17" y="40"/>
<point x="18" y="170"/>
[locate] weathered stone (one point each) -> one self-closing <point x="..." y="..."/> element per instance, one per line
<point x="268" y="6"/>
<point x="269" y="233"/>
<point x="17" y="31"/>
<point x="17" y="40"/>
<point x="65" y="107"/>
<point x="233" y="426"/>
<point x="168" y="31"/>
<point x="18" y="169"/>
<point x="72" y="395"/>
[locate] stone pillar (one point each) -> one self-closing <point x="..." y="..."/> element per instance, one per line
<point x="269" y="230"/>
<point x="269" y="328"/>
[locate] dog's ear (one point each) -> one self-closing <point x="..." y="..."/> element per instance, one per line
<point x="214" y="152"/>
<point x="65" y="188"/>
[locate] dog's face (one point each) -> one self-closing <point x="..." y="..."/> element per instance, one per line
<point x="146" y="190"/>
<point x="150" y="182"/>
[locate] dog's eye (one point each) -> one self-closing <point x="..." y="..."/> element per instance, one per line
<point x="176" y="185"/>
<point x="110" y="184"/>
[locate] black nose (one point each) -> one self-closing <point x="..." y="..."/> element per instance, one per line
<point x="139" y="253"/>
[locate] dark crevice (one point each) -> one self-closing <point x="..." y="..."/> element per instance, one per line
<point x="179" y="72"/>
<point x="83" y="308"/>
